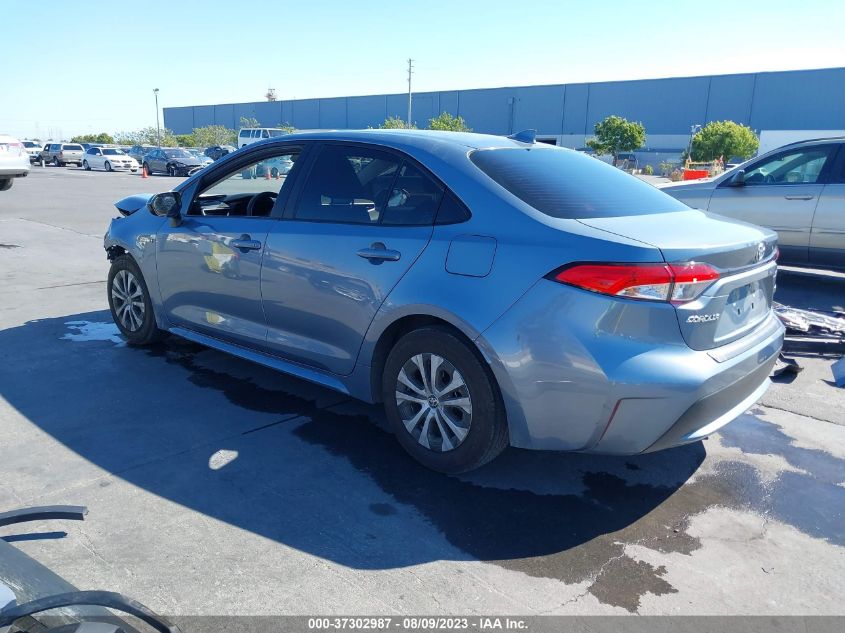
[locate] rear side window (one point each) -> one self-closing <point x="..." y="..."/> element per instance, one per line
<point x="348" y="186"/>
<point x="566" y="184"/>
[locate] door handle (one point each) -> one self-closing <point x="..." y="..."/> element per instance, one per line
<point x="378" y="252"/>
<point x="246" y="243"/>
<point x="801" y="197"/>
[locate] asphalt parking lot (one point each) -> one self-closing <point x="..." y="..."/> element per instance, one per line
<point x="218" y="487"/>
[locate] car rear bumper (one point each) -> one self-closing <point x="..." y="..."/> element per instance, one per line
<point x="582" y="372"/>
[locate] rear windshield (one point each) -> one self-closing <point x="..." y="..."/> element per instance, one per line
<point x="72" y="147"/>
<point x="567" y="184"/>
<point x="30" y="144"/>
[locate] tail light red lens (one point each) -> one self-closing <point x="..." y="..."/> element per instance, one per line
<point x="678" y="283"/>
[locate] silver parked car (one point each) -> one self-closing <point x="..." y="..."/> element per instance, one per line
<point x="798" y="190"/>
<point x="488" y="290"/>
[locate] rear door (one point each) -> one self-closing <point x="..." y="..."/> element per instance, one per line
<point x="781" y="192"/>
<point x="358" y="222"/>
<point x="827" y="238"/>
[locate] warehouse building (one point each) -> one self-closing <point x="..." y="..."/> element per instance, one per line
<point x="776" y="104"/>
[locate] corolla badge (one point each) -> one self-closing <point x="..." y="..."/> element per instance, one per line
<point x="703" y="318"/>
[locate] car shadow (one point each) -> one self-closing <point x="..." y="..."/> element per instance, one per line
<point x="309" y="468"/>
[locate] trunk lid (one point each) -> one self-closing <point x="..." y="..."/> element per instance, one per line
<point x="744" y="255"/>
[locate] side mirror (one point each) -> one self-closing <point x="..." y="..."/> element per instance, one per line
<point x="167" y="205"/>
<point x="738" y="179"/>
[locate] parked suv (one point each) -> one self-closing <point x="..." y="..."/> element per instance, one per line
<point x="798" y="190"/>
<point x="61" y="154"/>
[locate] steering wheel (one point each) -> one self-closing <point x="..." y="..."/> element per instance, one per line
<point x="769" y="179"/>
<point x="263" y="195"/>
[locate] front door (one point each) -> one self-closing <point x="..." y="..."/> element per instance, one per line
<point x="209" y="267"/>
<point x="361" y="219"/>
<point x="780" y="192"/>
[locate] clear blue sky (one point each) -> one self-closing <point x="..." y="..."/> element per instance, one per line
<point x="110" y="55"/>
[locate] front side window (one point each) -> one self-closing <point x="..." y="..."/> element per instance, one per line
<point x="789" y="168"/>
<point x="348" y="185"/>
<point x="265" y="134"/>
<point x="250" y="191"/>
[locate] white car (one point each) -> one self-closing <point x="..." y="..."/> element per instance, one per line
<point x="110" y="159"/>
<point x="14" y="161"/>
<point x="198" y="153"/>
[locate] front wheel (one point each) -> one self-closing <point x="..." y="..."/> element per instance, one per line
<point x="129" y="302"/>
<point x="442" y="401"/>
<point x="147" y="169"/>
<point x="171" y="170"/>
<point x="108" y="166"/>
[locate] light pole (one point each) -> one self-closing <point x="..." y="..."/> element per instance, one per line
<point x="693" y="129"/>
<point x="158" y="127"/>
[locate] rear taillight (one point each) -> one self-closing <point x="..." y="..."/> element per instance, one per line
<point x="677" y="283"/>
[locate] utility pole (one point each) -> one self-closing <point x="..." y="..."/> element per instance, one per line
<point x="410" y="72"/>
<point x="158" y="127"/>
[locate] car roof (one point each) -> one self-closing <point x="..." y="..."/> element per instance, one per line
<point x="408" y="138"/>
<point x="816" y="141"/>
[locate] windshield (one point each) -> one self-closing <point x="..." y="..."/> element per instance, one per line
<point x="567" y="184"/>
<point x="176" y="153"/>
<point x="109" y="151"/>
<point x="275" y="133"/>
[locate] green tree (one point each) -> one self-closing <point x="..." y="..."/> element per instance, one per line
<point x="724" y="139"/>
<point x="185" y="140"/>
<point x="446" y="121"/>
<point x="213" y="135"/>
<point x="102" y="137"/>
<point x="615" y="135"/>
<point x="287" y="127"/>
<point x="395" y="123"/>
<point x="249" y="122"/>
<point x="147" y="136"/>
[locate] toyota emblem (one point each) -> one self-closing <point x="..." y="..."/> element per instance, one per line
<point x="761" y="251"/>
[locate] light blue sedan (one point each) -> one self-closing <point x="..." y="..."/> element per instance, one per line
<point x="487" y="290"/>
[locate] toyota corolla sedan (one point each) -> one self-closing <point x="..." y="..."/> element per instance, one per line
<point x="489" y="291"/>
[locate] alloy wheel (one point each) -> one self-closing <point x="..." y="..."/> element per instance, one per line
<point x="434" y="402"/>
<point x="128" y="299"/>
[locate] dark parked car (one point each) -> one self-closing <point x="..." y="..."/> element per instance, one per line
<point x="216" y="152"/>
<point x="172" y="161"/>
<point x="139" y="151"/>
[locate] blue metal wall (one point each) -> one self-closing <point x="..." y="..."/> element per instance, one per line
<point x="793" y="100"/>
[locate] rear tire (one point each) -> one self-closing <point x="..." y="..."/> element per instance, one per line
<point x="130" y="304"/>
<point x="147" y="169"/>
<point x="450" y="430"/>
<point x="56" y="162"/>
<point x="6" y="184"/>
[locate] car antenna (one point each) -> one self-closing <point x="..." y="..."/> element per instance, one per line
<point x="525" y="136"/>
